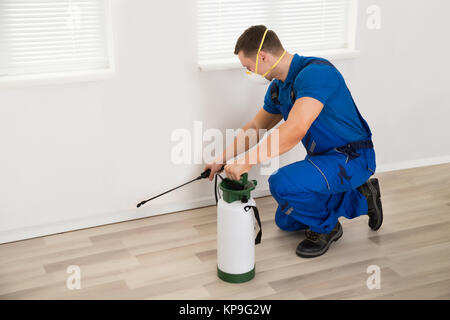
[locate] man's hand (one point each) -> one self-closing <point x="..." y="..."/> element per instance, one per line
<point x="215" y="167"/>
<point x="235" y="170"/>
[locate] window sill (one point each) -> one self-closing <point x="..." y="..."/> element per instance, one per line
<point x="55" y="78"/>
<point x="233" y="63"/>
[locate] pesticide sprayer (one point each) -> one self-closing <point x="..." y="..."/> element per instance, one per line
<point x="236" y="215"/>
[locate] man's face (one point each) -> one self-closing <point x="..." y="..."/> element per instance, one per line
<point x="250" y="63"/>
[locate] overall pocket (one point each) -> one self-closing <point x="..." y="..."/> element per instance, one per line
<point x="321" y="172"/>
<point x="341" y="171"/>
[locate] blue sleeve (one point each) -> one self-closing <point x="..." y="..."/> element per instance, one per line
<point x="269" y="106"/>
<point x="317" y="81"/>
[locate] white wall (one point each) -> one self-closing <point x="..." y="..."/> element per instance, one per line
<point x="83" y="154"/>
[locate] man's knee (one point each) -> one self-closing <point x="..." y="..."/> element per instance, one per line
<point x="276" y="183"/>
<point x="286" y="222"/>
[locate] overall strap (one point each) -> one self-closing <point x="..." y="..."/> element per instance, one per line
<point x="363" y="122"/>
<point x="361" y="119"/>
<point x="274" y="90"/>
<point x="319" y="61"/>
<point x="274" y="93"/>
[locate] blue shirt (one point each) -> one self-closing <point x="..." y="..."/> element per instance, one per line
<point x="326" y="84"/>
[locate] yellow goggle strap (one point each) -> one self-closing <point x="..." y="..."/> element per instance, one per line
<point x="257" y="56"/>
<point x="275" y="64"/>
<point x="259" y="49"/>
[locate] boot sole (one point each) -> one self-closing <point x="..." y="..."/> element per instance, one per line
<point x="376" y="198"/>
<point x="336" y="237"/>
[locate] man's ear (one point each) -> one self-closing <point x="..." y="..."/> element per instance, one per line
<point x="263" y="56"/>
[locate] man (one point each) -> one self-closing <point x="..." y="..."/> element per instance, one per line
<point x="311" y="96"/>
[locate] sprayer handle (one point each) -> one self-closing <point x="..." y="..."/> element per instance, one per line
<point x="207" y="172"/>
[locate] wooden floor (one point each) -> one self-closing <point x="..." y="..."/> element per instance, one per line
<point x="174" y="256"/>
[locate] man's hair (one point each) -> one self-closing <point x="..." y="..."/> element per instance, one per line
<point x="250" y="40"/>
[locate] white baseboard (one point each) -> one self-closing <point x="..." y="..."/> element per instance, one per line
<point x="88" y="222"/>
<point x="120" y="216"/>
<point x="413" y="164"/>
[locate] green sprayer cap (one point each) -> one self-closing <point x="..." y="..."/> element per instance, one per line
<point x="237" y="190"/>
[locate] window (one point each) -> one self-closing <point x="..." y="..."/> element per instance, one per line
<point x="307" y="27"/>
<point x="38" y="38"/>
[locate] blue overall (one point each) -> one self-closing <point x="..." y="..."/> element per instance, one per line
<point x="316" y="191"/>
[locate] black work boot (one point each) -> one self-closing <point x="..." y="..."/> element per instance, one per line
<point x="371" y="190"/>
<point x="316" y="244"/>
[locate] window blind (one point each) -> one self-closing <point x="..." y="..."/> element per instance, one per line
<point x="50" y="36"/>
<point x="301" y="25"/>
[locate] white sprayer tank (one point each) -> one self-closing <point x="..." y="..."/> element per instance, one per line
<point x="236" y="231"/>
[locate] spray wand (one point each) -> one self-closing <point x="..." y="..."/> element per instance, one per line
<point x="204" y="175"/>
